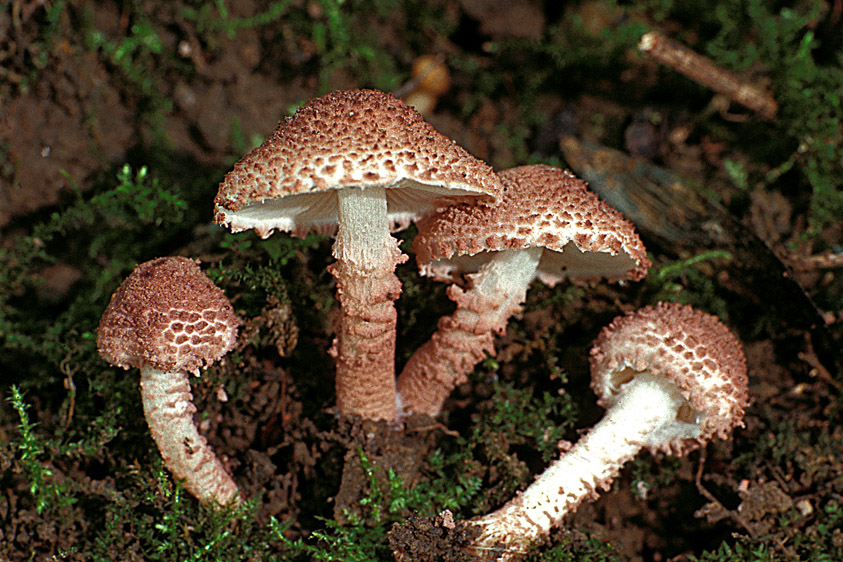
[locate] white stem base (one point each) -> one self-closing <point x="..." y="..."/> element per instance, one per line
<point x="168" y="407"/>
<point x="647" y="406"/>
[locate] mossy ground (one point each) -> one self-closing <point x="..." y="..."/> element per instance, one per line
<point x="119" y="119"/>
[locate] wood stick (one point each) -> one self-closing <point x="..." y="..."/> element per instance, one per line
<point x="702" y="70"/>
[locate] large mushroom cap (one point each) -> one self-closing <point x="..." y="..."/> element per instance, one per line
<point x="355" y="138"/>
<point x="541" y="206"/>
<point x="168" y="315"/>
<point x="692" y="349"/>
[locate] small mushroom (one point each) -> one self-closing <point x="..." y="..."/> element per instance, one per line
<point x="547" y="225"/>
<point x="359" y="163"/>
<point x="168" y="320"/>
<point x="431" y="79"/>
<point x="670" y="377"/>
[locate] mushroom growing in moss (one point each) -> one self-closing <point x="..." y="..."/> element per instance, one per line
<point x="670" y="377"/>
<point x="168" y="320"/>
<point x="358" y="163"/>
<point x="547" y="225"/>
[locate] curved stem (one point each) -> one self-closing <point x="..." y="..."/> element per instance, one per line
<point x="464" y="338"/>
<point x="367" y="287"/>
<point x="168" y="407"/>
<point x="646" y="410"/>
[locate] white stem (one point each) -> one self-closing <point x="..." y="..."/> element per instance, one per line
<point x="168" y="407"/>
<point x="505" y="280"/>
<point x="363" y="237"/>
<point x="366" y="287"/>
<point x="647" y="407"/>
<point x="463" y="338"/>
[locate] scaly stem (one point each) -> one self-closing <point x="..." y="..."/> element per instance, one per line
<point x="367" y="287"/>
<point x="168" y="407"/>
<point x="464" y="338"/>
<point x="646" y="412"/>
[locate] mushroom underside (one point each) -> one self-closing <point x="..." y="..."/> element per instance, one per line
<point x="556" y="265"/>
<point x="300" y="213"/>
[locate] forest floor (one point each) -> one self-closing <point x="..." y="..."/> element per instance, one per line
<point x="118" y="120"/>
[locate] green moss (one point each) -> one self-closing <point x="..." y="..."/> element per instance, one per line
<point x="121" y="223"/>
<point x="809" y="92"/>
<point x="211" y="18"/>
<point x="157" y="519"/>
<point x="50" y="494"/>
<point x="363" y="539"/>
<point x="453" y="482"/>
<point x="483" y="469"/>
<point x="690" y="281"/>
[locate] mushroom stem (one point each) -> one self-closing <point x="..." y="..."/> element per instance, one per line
<point x="363" y="238"/>
<point x="464" y="338"/>
<point x="644" y="415"/>
<point x="168" y="408"/>
<point x="367" y="287"/>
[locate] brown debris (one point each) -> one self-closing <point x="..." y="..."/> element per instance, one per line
<point x="432" y="539"/>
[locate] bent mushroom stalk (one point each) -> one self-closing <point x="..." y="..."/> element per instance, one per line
<point x="670" y="377"/>
<point x="358" y="163"/>
<point x="169" y="320"/>
<point x="547" y="225"/>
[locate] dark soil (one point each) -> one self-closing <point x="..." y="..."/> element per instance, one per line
<point x="432" y="538"/>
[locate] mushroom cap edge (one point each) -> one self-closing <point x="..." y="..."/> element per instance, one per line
<point x="693" y="349"/>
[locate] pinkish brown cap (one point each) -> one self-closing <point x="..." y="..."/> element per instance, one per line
<point x="692" y="349"/>
<point x="355" y="138"/>
<point x="541" y="206"/>
<point x="167" y="315"/>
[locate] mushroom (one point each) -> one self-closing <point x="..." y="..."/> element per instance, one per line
<point x="168" y="319"/>
<point x="670" y="377"/>
<point x="431" y="79"/>
<point x="547" y="225"/>
<point x="359" y="163"/>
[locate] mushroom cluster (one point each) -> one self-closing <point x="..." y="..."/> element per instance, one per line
<point x="546" y="226"/>
<point x="360" y="165"/>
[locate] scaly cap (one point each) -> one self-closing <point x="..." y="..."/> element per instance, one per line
<point x="541" y="206"/>
<point x="354" y="138"/>
<point x="694" y="350"/>
<point x="168" y="315"/>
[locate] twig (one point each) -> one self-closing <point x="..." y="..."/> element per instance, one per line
<point x="821" y="261"/>
<point x="433" y="426"/>
<point x="703" y="71"/>
<point x="70" y="386"/>
<point x="809" y="356"/>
